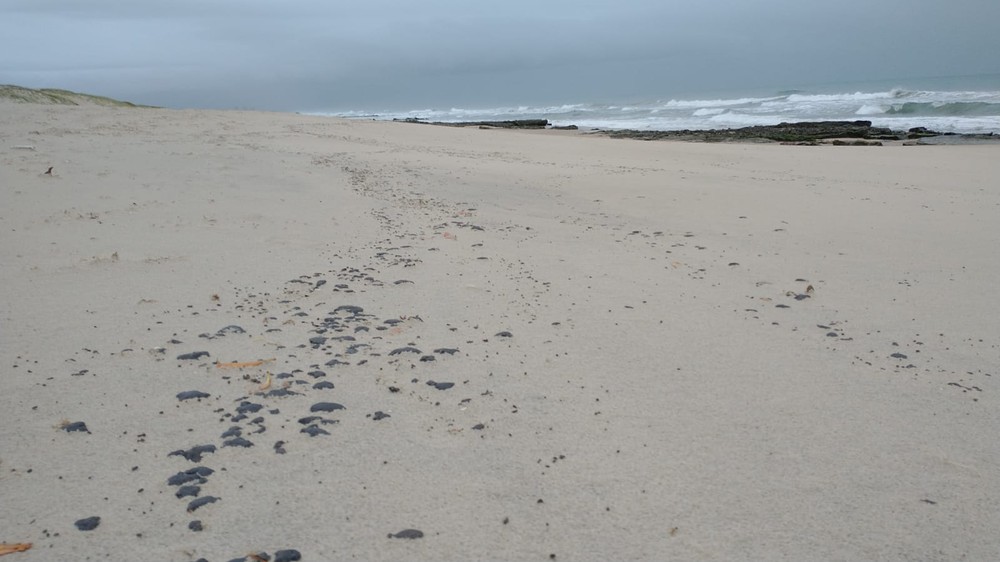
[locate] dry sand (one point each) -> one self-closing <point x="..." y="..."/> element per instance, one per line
<point x="670" y="390"/>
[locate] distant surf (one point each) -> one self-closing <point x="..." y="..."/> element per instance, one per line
<point x="965" y="112"/>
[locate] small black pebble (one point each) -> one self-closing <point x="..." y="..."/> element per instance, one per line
<point x="325" y="407"/>
<point x="237" y="442"/>
<point x="194" y="453"/>
<point x="289" y="555"/>
<point x="195" y="504"/>
<point x="314" y="430"/>
<point x="407" y="349"/>
<point x="76" y="426"/>
<point x="88" y="524"/>
<point x="407" y="534"/>
<point x="188" y="491"/>
<point x="189" y="394"/>
<point x="248" y="408"/>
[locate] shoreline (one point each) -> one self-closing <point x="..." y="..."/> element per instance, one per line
<point x="439" y="343"/>
<point x="855" y="133"/>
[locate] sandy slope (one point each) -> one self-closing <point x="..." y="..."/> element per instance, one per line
<point x="669" y="389"/>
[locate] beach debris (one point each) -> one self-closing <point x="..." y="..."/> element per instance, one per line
<point x="230" y="329"/>
<point x="243" y="364"/>
<point x="441" y="385"/>
<point x="196" y="526"/>
<point x="194" y="355"/>
<point x="379" y="415"/>
<point x="88" y="523"/>
<point x="69" y="427"/>
<point x="10" y="548"/>
<point x="407" y="534"/>
<point x="267" y="382"/>
<point x="49" y="171"/>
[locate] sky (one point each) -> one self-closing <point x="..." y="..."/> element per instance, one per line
<point x="338" y="55"/>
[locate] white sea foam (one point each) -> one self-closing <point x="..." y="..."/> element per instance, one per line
<point x="972" y="111"/>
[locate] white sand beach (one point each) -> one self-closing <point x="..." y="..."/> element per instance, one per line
<point x="658" y="350"/>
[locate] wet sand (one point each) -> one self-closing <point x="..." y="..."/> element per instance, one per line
<point x="235" y="333"/>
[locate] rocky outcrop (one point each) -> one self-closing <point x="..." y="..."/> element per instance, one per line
<point x="515" y="124"/>
<point x="806" y="131"/>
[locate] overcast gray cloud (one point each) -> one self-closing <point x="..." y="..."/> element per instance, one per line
<point x="314" y="55"/>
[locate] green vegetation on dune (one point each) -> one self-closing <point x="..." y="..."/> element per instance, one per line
<point x="58" y="97"/>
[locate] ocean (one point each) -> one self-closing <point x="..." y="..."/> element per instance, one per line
<point x="967" y="104"/>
